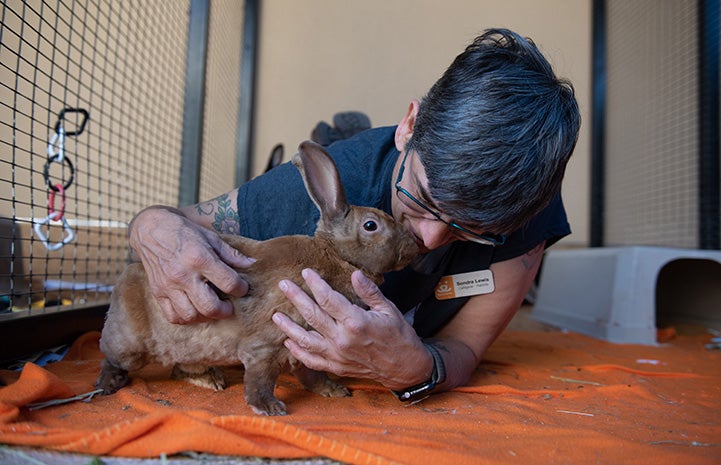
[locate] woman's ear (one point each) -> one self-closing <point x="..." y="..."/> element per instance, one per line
<point x="404" y="131"/>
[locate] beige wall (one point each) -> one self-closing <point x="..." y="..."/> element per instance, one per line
<point x="318" y="57"/>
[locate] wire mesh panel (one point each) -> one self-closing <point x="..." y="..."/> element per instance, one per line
<point x="121" y="65"/>
<point x="652" y="184"/>
<point x="222" y="89"/>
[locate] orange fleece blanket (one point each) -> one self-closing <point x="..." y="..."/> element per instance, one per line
<point x="539" y="398"/>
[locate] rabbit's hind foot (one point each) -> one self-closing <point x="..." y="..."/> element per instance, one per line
<point x="318" y="382"/>
<point x="111" y="377"/>
<point x="330" y="388"/>
<point x="200" y="375"/>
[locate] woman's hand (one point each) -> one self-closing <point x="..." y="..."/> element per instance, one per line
<point x="350" y="341"/>
<point x="183" y="262"/>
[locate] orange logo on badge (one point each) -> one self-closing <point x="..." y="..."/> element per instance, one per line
<point x="445" y="289"/>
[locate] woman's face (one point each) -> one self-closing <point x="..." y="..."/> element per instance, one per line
<point x="430" y="232"/>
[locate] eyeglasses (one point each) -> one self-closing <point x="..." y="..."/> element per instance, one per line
<point x="458" y="230"/>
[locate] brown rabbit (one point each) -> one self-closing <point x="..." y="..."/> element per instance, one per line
<point x="347" y="238"/>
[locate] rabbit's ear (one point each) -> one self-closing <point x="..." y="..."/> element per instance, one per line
<point x="322" y="180"/>
<point x="276" y="157"/>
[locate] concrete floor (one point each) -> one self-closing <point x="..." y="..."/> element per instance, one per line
<point x="30" y="456"/>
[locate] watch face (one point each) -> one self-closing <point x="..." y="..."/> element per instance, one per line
<point x="416" y="393"/>
<point x="419" y="392"/>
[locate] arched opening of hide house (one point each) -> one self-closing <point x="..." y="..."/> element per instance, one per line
<point x="688" y="292"/>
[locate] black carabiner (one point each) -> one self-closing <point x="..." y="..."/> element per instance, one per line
<point x="46" y="172"/>
<point x="61" y="117"/>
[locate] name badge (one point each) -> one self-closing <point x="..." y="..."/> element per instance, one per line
<point x="465" y="284"/>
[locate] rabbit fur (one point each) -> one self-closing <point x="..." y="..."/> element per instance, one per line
<point x="347" y="238"/>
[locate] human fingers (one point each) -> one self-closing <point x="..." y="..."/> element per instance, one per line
<point x="306" y="346"/>
<point x="346" y="339"/>
<point x="312" y="311"/>
<point x="177" y="309"/>
<point x="199" y="273"/>
<point x="313" y="360"/>
<point x="185" y="296"/>
<point x="301" y="337"/>
<point x="225" y="279"/>
<point x="227" y="253"/>
<point x="222" y="273"/>
<point x="180" y="259"/>
<point x="370" y="293"/>
<point x="211" y="259"/>
<point x="196" y="303"/>
<point x="207" y="303"/>
<point x="333" y="304"/>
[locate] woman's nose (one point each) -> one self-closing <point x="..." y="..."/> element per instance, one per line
<point x="435" y="233"/>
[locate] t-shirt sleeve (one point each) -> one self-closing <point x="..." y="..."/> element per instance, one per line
<point x="276" y="204"/>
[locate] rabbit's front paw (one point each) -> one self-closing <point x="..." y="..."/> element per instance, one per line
<point x="266" y="404"/>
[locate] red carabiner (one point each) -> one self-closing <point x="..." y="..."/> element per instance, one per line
<point x="56" y="215"/>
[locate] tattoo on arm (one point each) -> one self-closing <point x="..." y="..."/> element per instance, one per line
<point x="205" y="208"/>
<point x="226" y="220"/>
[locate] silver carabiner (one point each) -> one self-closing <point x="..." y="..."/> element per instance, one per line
<point x="57" y="142"/>
<point x="68" y="235"/>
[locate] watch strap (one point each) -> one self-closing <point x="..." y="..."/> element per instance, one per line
<point x="421" y="391"/>
<point x="439" y="367"/>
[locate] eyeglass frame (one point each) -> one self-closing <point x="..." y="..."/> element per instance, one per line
<point x="467" y="233"/>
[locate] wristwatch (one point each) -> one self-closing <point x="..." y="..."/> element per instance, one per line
<point x="421" y="391"/>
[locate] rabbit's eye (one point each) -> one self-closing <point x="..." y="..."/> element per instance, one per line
<point x="370" y="225"/>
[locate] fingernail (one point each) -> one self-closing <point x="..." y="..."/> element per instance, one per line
<point x="283" y="285"/>
<point x="237" y="253"/>
<point x="246" y="258"/>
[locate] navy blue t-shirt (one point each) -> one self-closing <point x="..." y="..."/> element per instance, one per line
<point x="277" y="204"/>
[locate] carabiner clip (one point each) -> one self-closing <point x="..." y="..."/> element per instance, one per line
<point x="56" y="214"/>
<point x="61" y="118"/>
<point x="69" y="235"/>
<point x="56" y="153"/>
<point x="56" y="146"/>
